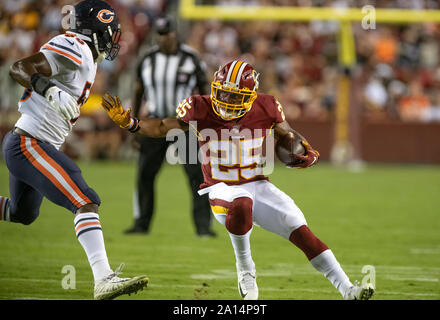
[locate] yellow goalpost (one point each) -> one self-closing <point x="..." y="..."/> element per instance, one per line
<point x="347" y="55"/>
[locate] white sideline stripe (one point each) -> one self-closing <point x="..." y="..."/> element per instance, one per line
<point x="425" y="251"/>
<point x="402" y="268"/>
<point x="275" y="274"/>
<point x="411" y="279"/>
<point x="52" y="171"/>
<point x="389" y="273"/>
<point x="380" y="269"/>
<point x="230" y="274"/>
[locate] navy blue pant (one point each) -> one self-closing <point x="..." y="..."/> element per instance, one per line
<point x="36" y="170"/>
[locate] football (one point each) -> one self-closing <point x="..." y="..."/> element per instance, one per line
<point x="287" y="147"/>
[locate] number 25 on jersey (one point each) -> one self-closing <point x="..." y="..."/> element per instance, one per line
<point x="231" y="160"/>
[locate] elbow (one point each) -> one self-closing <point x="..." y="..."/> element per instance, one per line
<point x="18" y="73"/>
<point x="162" y="130"/>
<point x="13" y="69"/>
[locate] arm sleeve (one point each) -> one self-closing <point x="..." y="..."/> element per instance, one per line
<point x="186" y="110"/>
<point x="278" y="111"/>
<point x="62" y="53"/>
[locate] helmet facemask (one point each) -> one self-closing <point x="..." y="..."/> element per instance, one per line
<point x="107" y="44"/>
<point x="234" y="90"/>
<point x="231" y="103"/>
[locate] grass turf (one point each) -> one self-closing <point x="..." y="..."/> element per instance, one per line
<point x="386" y="216"/>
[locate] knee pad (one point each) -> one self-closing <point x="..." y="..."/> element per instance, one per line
<point x="304" y="239"/>
<point x="239" y="217"/>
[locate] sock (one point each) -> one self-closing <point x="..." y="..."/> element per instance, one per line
<point x="321" y="257"/>
<point x="89" y="233"/>
<point x="242" y="250"/>
<point x="327" y="264"/>
<point x="4" y="209"/>
<point x="304" y="239"/>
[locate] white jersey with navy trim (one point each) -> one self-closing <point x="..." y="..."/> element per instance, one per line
<point x="74" y="71"/>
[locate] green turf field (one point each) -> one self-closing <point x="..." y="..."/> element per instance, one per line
<point x="385" y="216"/>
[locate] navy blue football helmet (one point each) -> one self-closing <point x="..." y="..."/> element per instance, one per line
<point x="97" y="20"/>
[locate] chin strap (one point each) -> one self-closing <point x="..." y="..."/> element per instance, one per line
<point x="101" y="57"/>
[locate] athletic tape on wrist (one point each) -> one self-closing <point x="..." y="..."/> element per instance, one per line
<point x="40" y="83"/>
<point x="134" y="126"/>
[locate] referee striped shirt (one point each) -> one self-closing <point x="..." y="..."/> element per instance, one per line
<point x="168" y="79"/>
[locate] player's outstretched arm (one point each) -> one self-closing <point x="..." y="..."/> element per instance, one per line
<point x="284" y="132"/>
<point x="150" y="127"/>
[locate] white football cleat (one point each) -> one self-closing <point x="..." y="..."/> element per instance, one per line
<point x="247" y="285"/>
<point x="112" y="286"/>
<point x="356" y="292"/>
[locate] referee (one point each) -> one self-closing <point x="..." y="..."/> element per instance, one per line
<point x="167" y="74"/>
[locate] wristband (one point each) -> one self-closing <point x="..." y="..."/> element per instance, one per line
<point x="133" y="127"/>
<point x="40" y="83"/>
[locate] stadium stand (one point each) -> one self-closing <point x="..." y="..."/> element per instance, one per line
<point x="397" y="68"/>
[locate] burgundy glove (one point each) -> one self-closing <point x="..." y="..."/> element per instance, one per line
<point x="309" y="159"/>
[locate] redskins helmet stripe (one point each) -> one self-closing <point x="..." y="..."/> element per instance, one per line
<point x="228" y="77"/>
<point x="235" y="72"/>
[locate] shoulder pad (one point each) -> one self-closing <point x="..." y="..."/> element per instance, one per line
<point x="66" y="46"/>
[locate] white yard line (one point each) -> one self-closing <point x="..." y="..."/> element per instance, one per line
<point x="431" y="274"/>
<point x="422" y="279"/>
<point x="424" y="251"/>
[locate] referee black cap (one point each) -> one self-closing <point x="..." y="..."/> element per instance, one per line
<point x="164" y="25"/>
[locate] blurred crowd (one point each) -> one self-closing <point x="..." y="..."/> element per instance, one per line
<point x="397" y="71"/>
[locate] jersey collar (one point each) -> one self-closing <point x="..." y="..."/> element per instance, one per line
<point x="81" y="36"/>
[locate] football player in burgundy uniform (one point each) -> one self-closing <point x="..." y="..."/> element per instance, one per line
<point x="233" y="125"/>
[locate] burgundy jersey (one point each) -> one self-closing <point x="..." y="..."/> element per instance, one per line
<point x="233" y="151"/>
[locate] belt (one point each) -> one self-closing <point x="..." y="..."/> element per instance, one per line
<point x="21" y="132"/>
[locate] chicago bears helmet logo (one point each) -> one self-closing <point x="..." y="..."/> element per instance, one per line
<point x="105" y="16"/>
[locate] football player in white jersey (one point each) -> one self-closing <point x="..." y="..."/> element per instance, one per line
<point x="57" y="81"/>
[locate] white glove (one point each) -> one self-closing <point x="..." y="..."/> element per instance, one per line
<point x="63" y="102"/>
